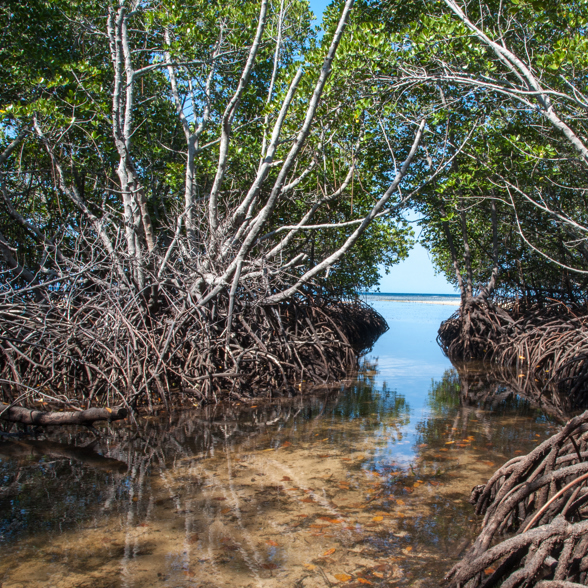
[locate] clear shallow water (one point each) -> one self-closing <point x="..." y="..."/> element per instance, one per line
<point x="365" y="486"/>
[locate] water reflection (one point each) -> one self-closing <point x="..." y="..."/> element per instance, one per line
<point x="364" y="485"/>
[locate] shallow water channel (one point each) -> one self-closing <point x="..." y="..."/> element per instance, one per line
<point x="366" y="485"/>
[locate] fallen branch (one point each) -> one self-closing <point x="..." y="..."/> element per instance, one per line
<point x="27" y="416"/>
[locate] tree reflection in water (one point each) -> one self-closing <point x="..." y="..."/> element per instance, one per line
<point x="350" y="482"/>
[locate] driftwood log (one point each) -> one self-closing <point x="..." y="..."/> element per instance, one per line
<point x="39" y="418"/>
<point x="539" y="502"/>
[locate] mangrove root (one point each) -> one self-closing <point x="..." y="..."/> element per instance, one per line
<point x="542" y="499"/>
<point x="544" y="343"/>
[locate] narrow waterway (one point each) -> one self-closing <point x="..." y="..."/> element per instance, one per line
<point x="367" y="485"/>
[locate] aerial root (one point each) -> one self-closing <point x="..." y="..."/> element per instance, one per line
<point x="102" y="351"/>
<point x="541" y="498"/>
<point x="547" y="344"/>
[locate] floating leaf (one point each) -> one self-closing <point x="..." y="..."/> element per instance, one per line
<point x="342" y="577"/>
<point x="329" y="551"/>
<point x="489" y="463"/>
<point x="449" y="442"/>
<point x="272" y="543"/>
<point x="330" y="520"/>
<point x="421" y="445"/>
<point x="409" y="548"/>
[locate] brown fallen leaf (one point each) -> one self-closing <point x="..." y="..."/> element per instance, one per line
<point x="378" y="574"/>
<point x="342" y="577"/>
<point x="309" y="566"/>
<point x="449" y="442"/>
<point x="269" y="566"/>
<point x="286" y="444"/>
<point x="364" y="581"/>
<point x="307" y="500"/>
<point x="329" y="551"/>
<point x="489" y="571"/>
<point x="286" y="479"/>
<point x="421" y="445"/>
<point x="378" y="519"/>
<point x="226" y="510"/>
<point x="272" y="543"/>
<point x="302" y="516"/>
<point x="409" y="548"/>
<point x="401" y="502"/>
<point x="489" y="463"/>
<point x="219" y="498"/>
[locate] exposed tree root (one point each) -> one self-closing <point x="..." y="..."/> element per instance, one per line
<point x="98" y="351"/>
<point x="542" y="499"/>
<point x="548" y="343"/>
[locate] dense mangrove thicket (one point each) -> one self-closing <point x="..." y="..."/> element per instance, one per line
<point x="192" y="195"/>
<point x="181" y="190"/>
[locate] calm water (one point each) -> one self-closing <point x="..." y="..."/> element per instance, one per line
<point x="365" y="486"/>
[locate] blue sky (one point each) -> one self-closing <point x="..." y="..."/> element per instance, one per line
<point x="416" y="274"/>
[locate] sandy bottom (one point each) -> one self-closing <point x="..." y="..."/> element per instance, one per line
<point x="320" y="504"/>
